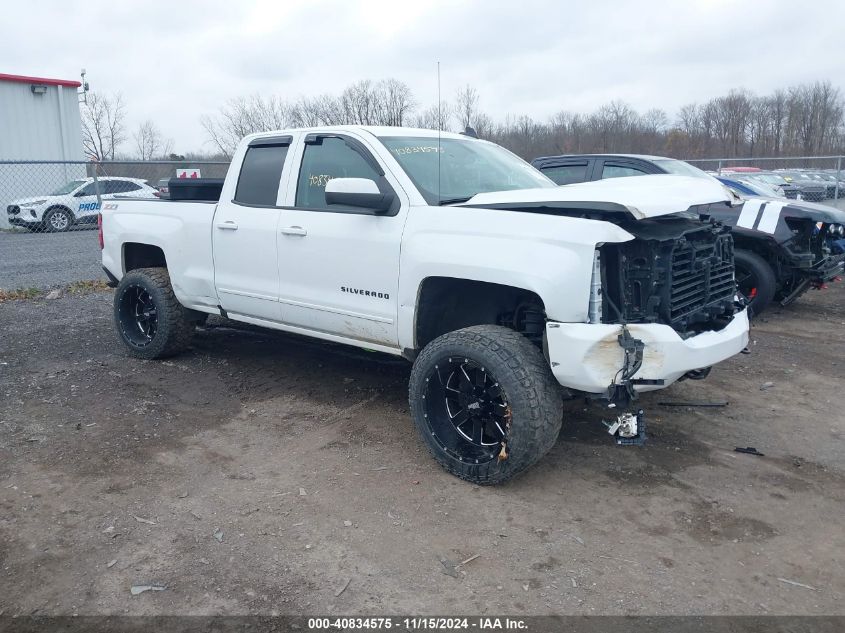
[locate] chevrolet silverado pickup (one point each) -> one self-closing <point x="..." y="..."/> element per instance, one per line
<point x="506" y="292"/>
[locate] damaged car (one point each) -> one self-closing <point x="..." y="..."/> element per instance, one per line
<point x="782" y="247"/>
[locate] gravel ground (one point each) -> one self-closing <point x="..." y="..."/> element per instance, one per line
<point x="263" y="473"/>
<point x="42" y="260"/>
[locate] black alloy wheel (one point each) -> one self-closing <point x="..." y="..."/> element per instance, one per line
<point x="467" y="411"/>
<point x="137" y="316"/>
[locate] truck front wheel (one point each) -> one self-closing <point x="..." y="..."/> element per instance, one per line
<point x="149" y="319"/>
<point x="485" y="402"/>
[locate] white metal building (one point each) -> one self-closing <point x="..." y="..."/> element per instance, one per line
<point x="39" y="120"/>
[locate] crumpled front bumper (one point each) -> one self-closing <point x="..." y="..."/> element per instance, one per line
<point x="587" y="357"/>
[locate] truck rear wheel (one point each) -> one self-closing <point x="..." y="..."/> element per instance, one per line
<point x="150" y="320"/>
<point x="485" y="402"/>
<point x="755" y="280"/>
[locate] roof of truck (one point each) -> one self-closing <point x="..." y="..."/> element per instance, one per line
<point x="375" y="130"/>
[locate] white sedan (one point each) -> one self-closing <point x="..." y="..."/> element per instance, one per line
<point x="74" y="203"/>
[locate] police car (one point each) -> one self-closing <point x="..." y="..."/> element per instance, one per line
<point x="74" y="203"/>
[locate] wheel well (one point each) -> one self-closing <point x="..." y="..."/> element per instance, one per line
<point x="757" y="246"/>
<point x="57" y="207"/>
<point x="446" y="304"/>
<point x="142" y="256"/>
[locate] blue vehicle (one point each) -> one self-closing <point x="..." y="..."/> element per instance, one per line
<point x="745" y="188"/>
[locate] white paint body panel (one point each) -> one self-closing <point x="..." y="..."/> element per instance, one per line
<point x="287" y="268"/>
<point x="587" y="357"/>
<point x="644" y="196"/>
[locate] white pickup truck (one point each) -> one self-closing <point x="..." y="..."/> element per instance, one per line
<point x="507" y="292"/>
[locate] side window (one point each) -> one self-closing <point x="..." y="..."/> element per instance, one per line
<point x="620" y="171"/>
<point x="261" y="172"/>
<point x="120" y="186"/>
<point x="89" y="189"/>
<point x="567" y="174"/>
<point x="328" y="158"/>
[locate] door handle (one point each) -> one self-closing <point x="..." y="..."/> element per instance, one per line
<point x="293" y="230"/>
<point x="228" y="225"/>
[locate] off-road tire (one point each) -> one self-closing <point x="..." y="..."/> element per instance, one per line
<point x="522" y="373"/>
<point x="51" y="220"/>
<point x="175" y="324"/>
<point x="760" y="275"/>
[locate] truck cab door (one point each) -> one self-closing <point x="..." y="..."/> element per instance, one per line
<point x="339" y="266"/>
<point x="246" y="267"/>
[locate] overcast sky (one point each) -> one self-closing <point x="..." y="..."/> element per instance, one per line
<point x="174" y="61"/>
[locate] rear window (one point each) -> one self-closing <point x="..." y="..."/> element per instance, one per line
<point x="567" y="174"/>
<point x="260" y="175"/>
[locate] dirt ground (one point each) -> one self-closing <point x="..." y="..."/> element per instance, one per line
<point x="302" y="460"/>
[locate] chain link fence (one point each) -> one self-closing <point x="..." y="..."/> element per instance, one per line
<point x="48" y="209"/>
<point x="48" y="213"/>
<point x="812" y="178"/>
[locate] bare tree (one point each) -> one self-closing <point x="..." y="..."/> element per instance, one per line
<point x="433" y="118"/>
<point x="799" y="120"/>
<point x="466" y="106"/>
<point x="242" y="116"/>
<point x="395" y="102"/>
<point x="149" y="142"/>
<point x="103" y="125"/>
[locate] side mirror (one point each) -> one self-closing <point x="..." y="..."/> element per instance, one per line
<point x="358" y="192"/>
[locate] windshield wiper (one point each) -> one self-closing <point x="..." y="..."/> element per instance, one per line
<point x="453" y="200"/>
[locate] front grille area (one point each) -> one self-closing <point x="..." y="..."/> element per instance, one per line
<point x="685" y="281"/>
<point x="702" y="278"/>
<point x="13" y="209"/>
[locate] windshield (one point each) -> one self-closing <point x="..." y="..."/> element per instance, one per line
<point x="761" y="188"/>
<point x="467" y="167"/>
<point x="769" y="178"/>
<point x="65" y="189"/>
<point x="680" y="168"/>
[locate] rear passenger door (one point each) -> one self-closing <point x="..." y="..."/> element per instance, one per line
<point x="246" y="267"/>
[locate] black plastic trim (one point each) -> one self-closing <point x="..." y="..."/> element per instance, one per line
<point x="271" y="141"/>
<point x="112" y="282"/>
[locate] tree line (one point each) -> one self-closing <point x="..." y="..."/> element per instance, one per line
<point x="800" y="120"/>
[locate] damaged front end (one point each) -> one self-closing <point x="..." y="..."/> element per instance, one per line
<point x="664" y="307"/>
<point x="793" y="237"/>
<point x="806" y="260"/>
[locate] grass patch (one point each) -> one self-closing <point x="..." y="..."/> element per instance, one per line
<point x="21" y="294"/>
<point x="84" y="287"/>
<point x="77" y="288"/>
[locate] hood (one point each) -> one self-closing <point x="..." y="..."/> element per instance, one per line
<point x="23" y="201"/>
<point x="813" y="211"/>
<point x="641" y="196"/>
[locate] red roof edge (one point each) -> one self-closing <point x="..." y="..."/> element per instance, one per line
<point x="40" y="80"/>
